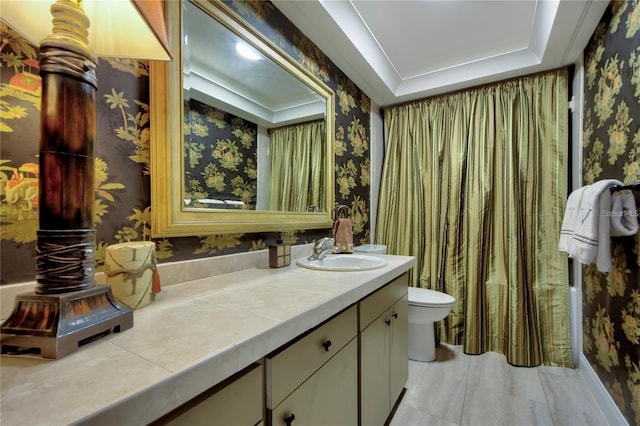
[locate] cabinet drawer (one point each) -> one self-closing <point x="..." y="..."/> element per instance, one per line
<point x="288" y="368"/>
<point x="375" y="304"/>
<point x="237" y="401"/>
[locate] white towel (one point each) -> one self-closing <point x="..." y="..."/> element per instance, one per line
<point x="591" y="237"/>
<point x="624" y="214"/>
<point x="570" y="219"/>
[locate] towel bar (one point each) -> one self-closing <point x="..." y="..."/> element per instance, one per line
<point x="341" y="211"/>
<point x="632" y="187"/>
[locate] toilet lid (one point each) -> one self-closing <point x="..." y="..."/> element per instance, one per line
<point x="426" y="297"/>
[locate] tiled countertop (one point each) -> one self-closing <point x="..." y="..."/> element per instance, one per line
<point x="195" y="335"/>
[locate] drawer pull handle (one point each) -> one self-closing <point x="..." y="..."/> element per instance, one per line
<point x="290" y="419"/>
<point x="327" y="345"/>
<point x="395" y="315"/>
<point x="387" y="321"/>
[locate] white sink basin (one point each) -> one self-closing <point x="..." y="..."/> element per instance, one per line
<point x="343" y="262"/>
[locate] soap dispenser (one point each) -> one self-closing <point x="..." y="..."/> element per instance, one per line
<point x="279" y="254"/>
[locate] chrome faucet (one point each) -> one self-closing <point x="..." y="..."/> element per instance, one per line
<point x="322" y="247"/>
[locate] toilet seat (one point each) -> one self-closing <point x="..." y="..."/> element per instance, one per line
<point x="429" y="298"/>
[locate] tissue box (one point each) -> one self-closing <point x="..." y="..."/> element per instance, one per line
<point x="279" y="255"/>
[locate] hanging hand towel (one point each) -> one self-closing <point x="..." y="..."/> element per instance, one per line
<point x="570" y="220"/>
<point x="624" y="214"/>
<point x="591" y="237"/>
<point x="343" y="235"/>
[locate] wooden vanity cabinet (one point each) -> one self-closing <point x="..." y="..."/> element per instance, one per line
<point x="384" y="358"/>
<point x="313" y="380"/>
<point x="349" y="370"/>
<point x="236" y="401"/>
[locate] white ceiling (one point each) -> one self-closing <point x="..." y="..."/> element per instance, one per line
<point x="399" y="50"/>
<point x="257" y="90"/>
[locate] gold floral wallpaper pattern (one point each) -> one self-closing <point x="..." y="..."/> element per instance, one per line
<point x="220" y="157"/>
<point x="611" y="302"/>
<point x="122" y="211"/>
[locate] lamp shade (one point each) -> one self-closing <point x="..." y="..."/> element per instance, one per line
<point x="118" y="28"/>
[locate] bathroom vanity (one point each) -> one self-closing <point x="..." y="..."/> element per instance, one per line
<point x="260" y="345"/>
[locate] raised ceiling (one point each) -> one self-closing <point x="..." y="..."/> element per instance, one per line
<point x="397" y="50"/>
<point x="254" y="88"/>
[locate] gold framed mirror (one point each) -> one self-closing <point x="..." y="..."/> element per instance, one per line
<point x="217" y="88"/>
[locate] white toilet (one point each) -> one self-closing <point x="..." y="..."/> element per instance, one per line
<point x="425" y="308"/>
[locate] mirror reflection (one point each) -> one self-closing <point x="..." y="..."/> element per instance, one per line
<point x="254" y="134"/>
<point x="239" y="144"/>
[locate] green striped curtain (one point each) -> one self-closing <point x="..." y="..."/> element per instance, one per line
<point x="296" y="167"/>
<point x="474" y="185"/>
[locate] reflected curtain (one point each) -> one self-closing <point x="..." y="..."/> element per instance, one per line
<point x="296" y="166"/>
<point x="474" y="186"/>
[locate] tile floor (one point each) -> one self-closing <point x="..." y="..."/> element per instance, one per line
<point x="485" y="390"/>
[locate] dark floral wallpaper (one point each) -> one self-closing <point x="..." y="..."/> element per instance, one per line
<point x="122" y="166"/>
<point x="611" y="302"/>
<point x="220" y="158"/>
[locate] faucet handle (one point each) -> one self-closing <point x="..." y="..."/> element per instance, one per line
<point x="320" y="244"/>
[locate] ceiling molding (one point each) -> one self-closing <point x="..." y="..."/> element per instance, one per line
<point x="557" y="32"/>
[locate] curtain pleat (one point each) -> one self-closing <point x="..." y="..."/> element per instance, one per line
<point x="474" y="185"/>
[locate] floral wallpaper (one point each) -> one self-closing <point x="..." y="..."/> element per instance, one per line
<point x="611" y="302"/>
<point x="122" y="197"/>
<point x="220" y="158"/>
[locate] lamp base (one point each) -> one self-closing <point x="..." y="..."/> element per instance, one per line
<point x="57" y="325"/>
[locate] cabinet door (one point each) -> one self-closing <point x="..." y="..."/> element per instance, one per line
<point x="399" y="352"/>
<point x="328" y="397"/>
<point x="374" y="371"/>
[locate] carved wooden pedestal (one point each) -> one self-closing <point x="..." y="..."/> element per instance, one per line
<point x="56" y="325"/>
